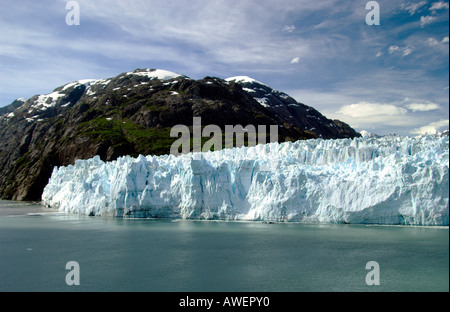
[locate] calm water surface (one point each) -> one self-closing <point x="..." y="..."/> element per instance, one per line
<point x="163" y="255"/>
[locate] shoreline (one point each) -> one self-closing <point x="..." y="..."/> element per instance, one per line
<point x="19" y="208"/>
<point x="32" y="208"/>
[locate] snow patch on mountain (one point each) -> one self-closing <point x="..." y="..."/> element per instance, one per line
<point x="86" y="82"/>
<point x="243" y="79"/>
<point x="155" y="74"/>
<point x="262" y="101"/>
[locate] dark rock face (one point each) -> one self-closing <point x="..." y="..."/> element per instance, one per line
<point x="133" y="114"/>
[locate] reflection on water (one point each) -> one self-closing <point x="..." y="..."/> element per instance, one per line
<point x="162" y="255"/>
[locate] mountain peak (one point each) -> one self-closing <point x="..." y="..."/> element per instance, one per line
<point x="244" y="79"/>
<point x="160" y="74"/>
<point x="85" y="82"/>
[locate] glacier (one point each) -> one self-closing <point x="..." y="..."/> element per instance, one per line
<point x="389" y="180"/>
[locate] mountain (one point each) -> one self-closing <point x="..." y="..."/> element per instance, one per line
<point x="11" y="107"/>
<point x="132" y="114"/>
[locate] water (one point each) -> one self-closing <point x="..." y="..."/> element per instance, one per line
<point x="194" y="256"/>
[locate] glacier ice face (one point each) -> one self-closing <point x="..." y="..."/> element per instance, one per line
<point x="388" y="180"/>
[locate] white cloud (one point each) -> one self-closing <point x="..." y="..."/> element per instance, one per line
<point x="432" y="128"/>
<point x="393" y="49"/>
<point x="412" y="8"/>
<point x="371" y="115"/>
<point x="288" y="28"/>
<point x="405" y="51"/>
<point x="424" y="20"/>
<point x="437" y="45"/>
<point x="417" y="107"/>
<point x="433" y="42"/>
<point x="295" y="60"/>
<point x="439" y="5"/>
<point x="365" y="110"/>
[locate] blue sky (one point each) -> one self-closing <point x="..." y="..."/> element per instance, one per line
<point x="384" y="79"/>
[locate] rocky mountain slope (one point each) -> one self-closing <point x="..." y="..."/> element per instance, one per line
<point x="132" y="114"/>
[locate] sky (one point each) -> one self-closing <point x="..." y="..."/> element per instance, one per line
<point x="386" y="78"/>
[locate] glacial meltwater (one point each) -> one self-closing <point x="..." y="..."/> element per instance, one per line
<point x="38" y="246"/>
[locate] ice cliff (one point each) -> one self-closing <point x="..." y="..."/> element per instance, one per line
<point x="388" y="180"/>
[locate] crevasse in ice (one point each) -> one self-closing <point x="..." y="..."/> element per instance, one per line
<point x="388" y="180"/>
